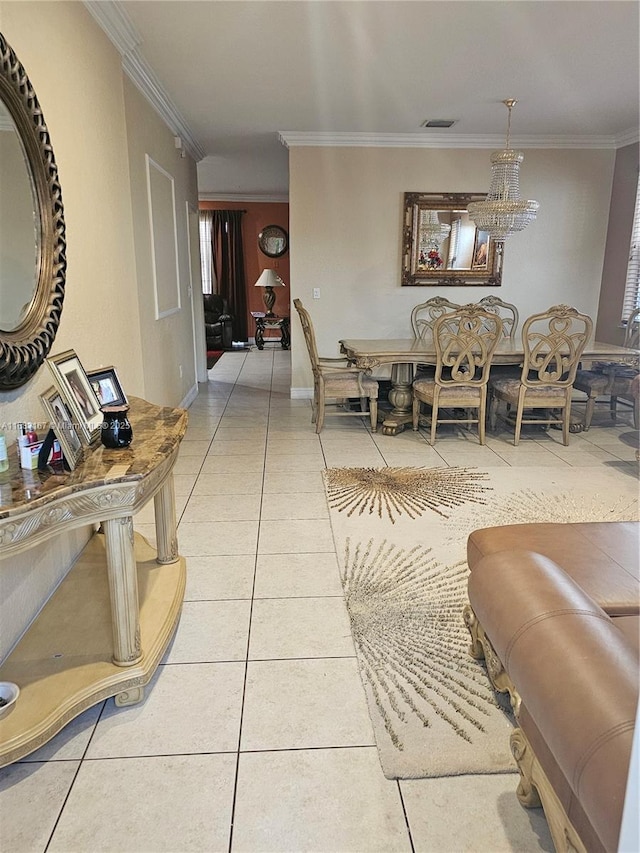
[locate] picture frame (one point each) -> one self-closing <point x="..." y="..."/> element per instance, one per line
<point x="106" y="386"/>
<point x="72" y="381"/>
<point x="62" y="425"/>
<point x="481" y="250"/>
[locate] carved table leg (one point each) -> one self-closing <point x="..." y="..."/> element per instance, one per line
<point x="259" y="333"/>
<point x="285" y="340"/>
<point x="165" y="510"/>
<point x="123" y="590"/>
<point x="401" y="398"/>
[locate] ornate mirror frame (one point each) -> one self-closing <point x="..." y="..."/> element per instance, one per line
<point x="23" y="349"/>
<point x="449" y="206"/>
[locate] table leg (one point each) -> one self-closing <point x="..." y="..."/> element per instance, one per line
<point x="285" y="339"/>
<point x="401" y="398"/>
<point x="165" y="512"/>
<point x="123" y="590"/>
<point x="259" y="334"/>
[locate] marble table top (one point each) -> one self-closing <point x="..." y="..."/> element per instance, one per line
<point x="157" y="432"/>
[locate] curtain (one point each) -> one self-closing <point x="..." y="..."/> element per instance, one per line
<point x="228" y="266"/>
<point x="209" y="283"/>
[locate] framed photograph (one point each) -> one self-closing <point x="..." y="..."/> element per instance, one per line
<point x="106" y="386"/>
<point x="63" y="426"/>
<point x="481" y="250"/>
<point x="79" y="397"/>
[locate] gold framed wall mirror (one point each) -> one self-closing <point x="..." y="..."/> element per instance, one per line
<point x="441" y="246"/>
<point x="32" y="229"/>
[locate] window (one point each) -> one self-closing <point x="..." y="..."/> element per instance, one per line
<point x="632" y="287"/>
<point x="206" y="256"/>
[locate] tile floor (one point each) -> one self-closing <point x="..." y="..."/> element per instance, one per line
<point x="254" y="735"/>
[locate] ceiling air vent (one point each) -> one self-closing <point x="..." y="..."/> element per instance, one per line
<point x="438" y="122"/>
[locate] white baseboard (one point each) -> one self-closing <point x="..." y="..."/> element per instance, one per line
<point x="190" y="397"/>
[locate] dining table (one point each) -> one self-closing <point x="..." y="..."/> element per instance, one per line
<point x="403" y="354"/>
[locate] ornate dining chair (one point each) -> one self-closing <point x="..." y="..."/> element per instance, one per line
<point x="423" y="317"/>
<point x="336" y="379"/>
<point x="465" y="340"/>
<point x="553" y="342"/>
<point x="507" y="312"/>
<point x="611" y="379"/>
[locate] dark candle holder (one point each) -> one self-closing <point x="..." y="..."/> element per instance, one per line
<point x="116" y="429"/>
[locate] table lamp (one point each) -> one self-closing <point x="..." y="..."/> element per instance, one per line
<point x="269" y="279"/>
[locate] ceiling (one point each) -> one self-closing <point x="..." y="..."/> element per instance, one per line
<point x="233" y="78"/>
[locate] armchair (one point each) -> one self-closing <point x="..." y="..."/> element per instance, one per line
<point x="218" y="323"/>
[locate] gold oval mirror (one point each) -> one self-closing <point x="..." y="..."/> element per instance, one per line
<point x="32" y="231"/>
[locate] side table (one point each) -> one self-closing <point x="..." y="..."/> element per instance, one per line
<point x="263" y="322"/>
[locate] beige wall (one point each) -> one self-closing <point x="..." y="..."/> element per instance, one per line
<point x="345" y="222"/>
<point x="165" y="344"/>
<point x="99" y="126"/>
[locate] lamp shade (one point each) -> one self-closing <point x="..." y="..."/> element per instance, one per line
<point x="269" y="278"/>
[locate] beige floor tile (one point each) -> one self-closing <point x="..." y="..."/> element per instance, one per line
<point x="294" y="506"/>
<point x="354" y="459"/>
<point x="201" y="432"/>
<point x="194" y="448"/>
<point x="224" y="447"/>
<point x="292" y="704"/>
<point x="322" y="800"/>
<point x="417" y="459"/>
<point x="188" y="465"/>
<point x="233" y="464"/>
<point x="211" y="578"/>
<point x="184" y="483"/>
<point x="239" y="484"/>
<point x="218" y="538"/>
<point x="483" y="457"/>
<point x="300" y="628"/>
<point x="588" y="460"/>
<point x="294" y="463"/>
<point x="205" y="508"/>
<point x="70" y="743"/>
<point x="251" y="434"/>
<point x="31" y="796"/>
<point x="296" y="433"/>
<point x="488" y="816"/>
<point x="522" y="457"/>
<point x="284" y="446"/>
<point x="211" y="631"/>
<point x="295" y="537"/>
<point x="297" y="575"/>
<point x="187" y="708"/>
<point x="304" y="481"/>
<point x="162" y="804"/>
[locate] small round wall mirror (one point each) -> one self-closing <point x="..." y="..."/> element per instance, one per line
<point x="32" y="230"/>
<point x="273" y="241"/>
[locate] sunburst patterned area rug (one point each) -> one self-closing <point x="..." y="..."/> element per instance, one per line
<point x="400" y="536"/>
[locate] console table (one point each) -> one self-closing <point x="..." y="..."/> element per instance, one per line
<point x="263" y="322"/>
<point x="104" y="630"/>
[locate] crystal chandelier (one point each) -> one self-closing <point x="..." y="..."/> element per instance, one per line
<point x="432" y="232"/>
<point x="503" y="212"/>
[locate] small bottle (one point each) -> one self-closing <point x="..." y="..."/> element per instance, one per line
<point x="32" y="435"/>
<point x="4" y="457"/>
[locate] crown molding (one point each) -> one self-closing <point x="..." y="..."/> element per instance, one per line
<point x="274" y="197"/>
<point x="115" y="22"/>
<point x="294" y="139"/>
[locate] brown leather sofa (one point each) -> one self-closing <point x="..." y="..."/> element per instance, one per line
<point x="555" y="611"/>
